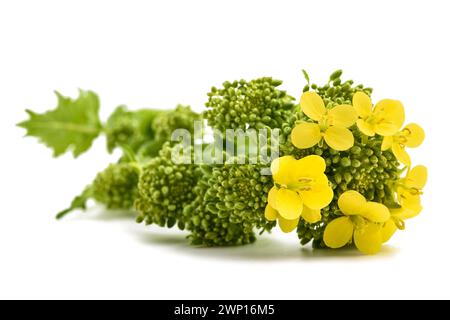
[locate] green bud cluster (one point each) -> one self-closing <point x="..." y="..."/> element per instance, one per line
<point x="131" y="128"/>
<point x="364" y="167"/>
<point x="208" y="228"/>
<point x="181" y="118"/>
<point x="116" y="186"/>
<point x="146" y="130"/>
<point x="242" y="105"/>
<point x="164" y="124"/>
<point x="336" y="91"/>
<point x="239" y="192"/>
<point x="165" y="188"/>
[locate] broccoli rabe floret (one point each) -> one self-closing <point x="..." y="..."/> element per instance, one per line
<point x="176" y="194"/>
<point x="208" y="228"/>
<point x="115" y="188"/>
<point x="240" y="193"/>
<point x="243" y="105"/>
<point x="131" y="128"/>
<point x="165" y="188"/>
<point x="182" y="117"/>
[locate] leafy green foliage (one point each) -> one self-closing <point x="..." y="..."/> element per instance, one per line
<point x="140" y="134"/>
<point x="73" y="125"/>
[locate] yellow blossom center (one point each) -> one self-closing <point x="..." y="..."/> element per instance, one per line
<point x="402" y="137"/>
<point x="302" y="184"/>
<point x="411" y="190"/>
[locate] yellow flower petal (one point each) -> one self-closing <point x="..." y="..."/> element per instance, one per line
<point x="368" y="239"/>
<point x="410" y="202"/>
<point x="343" y="115"/>
<point x="310" y="215"/>
<point x="351" y="203"/>
<point x="387" y="143"/>
<point x="401" y="154"/>
<point x="417" y="177"/>
<point x="362" y="104"/>
<point x="375" y="212"/>
<point x="306" y="135"/>
<point x="281" y="169"/>
<point x="310" y="166"/>
<point x="312" y="105"/>
<point x="388" y="230"/>
<point x="319" y="195"/>
<point x="414" y="135"/>
<point x="287" y="225"/>
<point x="289" y="204"/>
<point x="339" y="138"/>
<point x="390" y="116"/>
<point x="365" y="127"/>
<point x="270" y="213"/>
<point x="338" y="232"/>
<point x="272" y="197"/>
<point x="404" y="213"/>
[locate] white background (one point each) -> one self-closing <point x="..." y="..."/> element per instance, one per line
<point x="160" y="53"/>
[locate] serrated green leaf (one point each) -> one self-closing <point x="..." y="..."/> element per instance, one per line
<point x="73" y="125"/>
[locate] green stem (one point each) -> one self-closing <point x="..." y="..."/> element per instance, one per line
<point x="364" y="139"/>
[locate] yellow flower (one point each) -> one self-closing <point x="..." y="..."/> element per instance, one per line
<point x="362" y="222"/>
<point x="301" y="190"/>
<point x="411" y="136"/>
<point x="385" y="119"/>
<point x="409" y="190"/>
<point x="331" y="124"/>
<point x="396" y="222"/>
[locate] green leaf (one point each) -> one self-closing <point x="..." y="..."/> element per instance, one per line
<point x="79" y="202"/>
<point x="73" y="125"/>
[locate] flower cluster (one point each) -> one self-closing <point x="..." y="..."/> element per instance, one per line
<point x="339" y="180"/>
